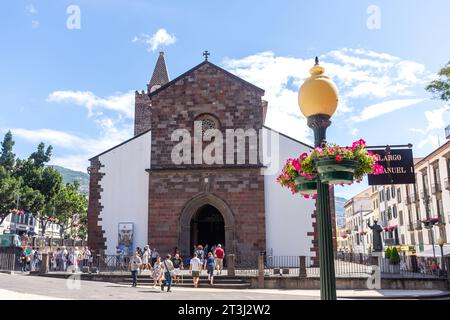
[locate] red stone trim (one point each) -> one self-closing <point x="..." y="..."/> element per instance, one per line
<point x="96" y="239"/>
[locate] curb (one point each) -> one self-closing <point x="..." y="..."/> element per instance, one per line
<point x="405" y="297"/>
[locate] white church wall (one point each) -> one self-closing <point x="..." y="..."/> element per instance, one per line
<point x="288" y="216"/>
<point x="125" y="190"/>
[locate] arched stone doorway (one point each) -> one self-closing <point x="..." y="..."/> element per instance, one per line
<point x="207" y="227"/>
<point x="204" y="209"/>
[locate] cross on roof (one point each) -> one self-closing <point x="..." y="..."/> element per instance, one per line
<point x="206" y="54"/>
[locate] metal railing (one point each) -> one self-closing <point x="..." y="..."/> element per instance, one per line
<point x="447" y="184"/>
<point x="436" y="188"/>
<point x="418" y="225"/>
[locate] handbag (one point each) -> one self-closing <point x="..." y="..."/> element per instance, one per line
<point x="171" y="272"/>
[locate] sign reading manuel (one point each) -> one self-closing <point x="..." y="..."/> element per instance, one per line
<point x="398" y="167"/>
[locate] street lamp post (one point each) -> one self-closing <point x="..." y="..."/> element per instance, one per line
<point x="429" y="226"/>
<point x="318" y="99"/>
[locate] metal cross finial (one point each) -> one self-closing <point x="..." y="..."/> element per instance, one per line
<point x="317" y="61"/>
<point x="206" y="54"/>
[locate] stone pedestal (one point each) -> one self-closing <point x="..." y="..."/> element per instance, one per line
<point x="302" y="267"/>
<point x="231" y="265"/>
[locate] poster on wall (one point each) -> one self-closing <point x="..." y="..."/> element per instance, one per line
<point x="126" y="234"/>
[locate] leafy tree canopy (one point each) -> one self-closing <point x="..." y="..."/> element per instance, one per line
<point x="440" y="87"/>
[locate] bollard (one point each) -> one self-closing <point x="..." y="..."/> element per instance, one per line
<point x="261" y="272"/>
<point x="302" y="268"/>
<point x="231" y="265"/>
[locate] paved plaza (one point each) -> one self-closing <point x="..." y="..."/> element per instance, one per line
<point x="25" y="287"/>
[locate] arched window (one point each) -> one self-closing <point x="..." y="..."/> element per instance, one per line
<point x="389" y="213"/>
<point x="394" y="211"/>
<point x="208" y="122"/>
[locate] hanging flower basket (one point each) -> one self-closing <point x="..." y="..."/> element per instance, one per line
<point x="336" y="172"/>
<point x="330" y="164"/>
<point x="306" y="186"/>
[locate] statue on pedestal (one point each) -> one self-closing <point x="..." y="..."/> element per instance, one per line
<point x="376" y="236"/>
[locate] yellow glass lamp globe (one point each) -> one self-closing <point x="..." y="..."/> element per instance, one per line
<point x="318" y="94"/>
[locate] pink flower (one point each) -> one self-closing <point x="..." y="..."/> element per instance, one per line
<point x="296" y="164"/>
<point x="318" y="149"/>
<point x="338" y="158"/>
<point x="314" y="196"/>
<point x="303" y="156"/>
<point x="370" y="153"/>
<point x="306" y="196"/>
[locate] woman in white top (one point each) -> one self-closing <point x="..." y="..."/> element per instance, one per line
<point x="146" y="258"/>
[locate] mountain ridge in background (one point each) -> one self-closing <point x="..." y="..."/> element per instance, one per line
<point x="70" y="176"/>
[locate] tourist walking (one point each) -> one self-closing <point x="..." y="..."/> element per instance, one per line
<point x="146" y="256"/>
<point x="177" y="267"/>
<point x="135" y="263"/>
<point x="23" y="261"/>
<point x="209" y="267"/>
<point x="195" y="266"/>
<point x="219" y="254"/>
<point x="157" y="271"/>
<point x="200" y="253"/>
<point x="86" y="256"/>
<point x="168" y="272"/>
<point x="64" y="258"/>
<point x="154" y="255"/>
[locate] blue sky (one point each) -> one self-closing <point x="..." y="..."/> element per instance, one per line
<point x="73" y="88"/>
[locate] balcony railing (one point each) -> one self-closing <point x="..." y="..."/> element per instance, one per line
<point x="418" y="225"/>
<point x="447" y="184"/>
<point x="435" y="188"/>
<point x="391" y="242"/>
<point x="410" y="226"/>
<point x="424" y="195"/>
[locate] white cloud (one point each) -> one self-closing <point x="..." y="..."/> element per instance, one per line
<point x="437" y="120"/>
<point x="354" y="132"/>
<point x="30" y="9"/>
<point x="78" y="149"/>
<point x="35" y="24"/>
<point x="122" y="103"/>
<point x="361" y="75"/>
<point x="156" y="40"/>
<point x="382" y="108"/>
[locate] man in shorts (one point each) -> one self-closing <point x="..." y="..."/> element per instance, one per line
<point x="219" y="253"/>
<point x="195" y="266"/>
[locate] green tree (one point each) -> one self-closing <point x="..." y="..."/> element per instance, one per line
<point x="41" y="157"/>
<point x="45" y="180"/>
<point x="71" y="209"/>
<point x="440" y="87"/>
<point x="7" y="157"/>
<point x="9" y="190"/>
<point x="395" y="257"/>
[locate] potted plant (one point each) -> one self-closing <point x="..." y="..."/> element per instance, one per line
<point x="296" y="180"/>
<point x="331" y="164"/>
<point x="339" y="165"/>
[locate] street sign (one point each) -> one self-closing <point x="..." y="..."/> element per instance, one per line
<point x="398" y="167"/>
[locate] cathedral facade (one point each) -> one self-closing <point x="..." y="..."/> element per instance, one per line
<point x="234" y="200"/>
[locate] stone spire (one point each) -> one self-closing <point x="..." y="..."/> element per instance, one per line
<point x="160" y="75"/>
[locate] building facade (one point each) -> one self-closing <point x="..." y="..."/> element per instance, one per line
<point x="413" y="216"/>
<point x="172" y="205"/>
